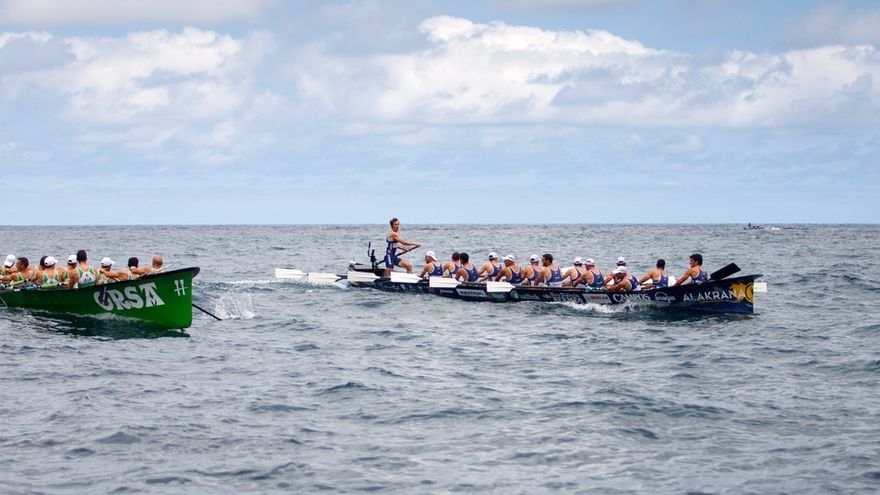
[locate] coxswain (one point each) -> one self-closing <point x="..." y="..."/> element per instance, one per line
<point x="107" y="274"/>
<point x="511" y="271"/>
<point x="695" y="274"/>
<point x="432" y="268"/>
<point x="467" y="272"/>
<point x="84" y="275"/>
<point x="50" y="276"/>
<point x="657" y="276"/>
<point x="24" y="272"/>
<point x="574" y="273"/>
<point x="392" y="241"/>
<point x="550" y="274"/>
<point x="621" y="261"/>
<point x="490" y="269"/>
<point x="450" y="268"/>
<point x="533" y="271"/>
<point x="623" y="280"/>
<point x="592" y="277"/>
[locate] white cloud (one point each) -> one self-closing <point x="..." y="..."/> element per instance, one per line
<point x="497" y="73"/>
<point x="830" y="24"/>
<point x="108" y="12"/>
<point x="560" y="4"/>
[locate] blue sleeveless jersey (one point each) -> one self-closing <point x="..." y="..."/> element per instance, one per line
<point x="598" y="279"/>
<point x="391" y="259"/>
<point x="663" y="282"/>
<point x="437" y="271"/>
<point x="701" y="277"/>
<point x="496" y="269"/>
<point x="455" y="268"/>
<point x="515" y="277"/>
<point x="634" y="282"/>
<point x="535" y="274"/>
<point x="472" y="274"/>
<point x="555" y="278"/>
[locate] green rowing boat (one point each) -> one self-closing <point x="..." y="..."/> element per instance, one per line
<point x="163" y="300"/>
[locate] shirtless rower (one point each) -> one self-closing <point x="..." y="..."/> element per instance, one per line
<point x="532" y="271"/>
<point x="392" y="257"/>
<point x="511" y="271"/>
<point x="574" y="273"/>
<point x="623" y="280"/>
<point x="550" y="274"/>
<point x="592" y="277"/>
<point x="24" y="272"/>
<point x="467" y="272"/>
<point x="490" y="269"/>
<point x="432" y="268"/>
<point x="695" y="274"/>
<point x="84" y="275"/>
<point x="450" y="268"/>
<point x="658" y="277"/>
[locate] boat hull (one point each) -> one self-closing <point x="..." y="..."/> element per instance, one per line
<point x="732" y="295"/>
<point x="163" y="300"/>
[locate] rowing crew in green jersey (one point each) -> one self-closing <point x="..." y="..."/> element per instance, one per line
<point x="83" y="275"/>
<point x="48" y="276"/>
<point x="24" y="272"/>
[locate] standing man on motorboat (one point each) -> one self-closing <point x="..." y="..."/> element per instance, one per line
<point x="392" y="241"/>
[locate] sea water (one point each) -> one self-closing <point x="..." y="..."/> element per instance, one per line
<point x="323" y="388"/>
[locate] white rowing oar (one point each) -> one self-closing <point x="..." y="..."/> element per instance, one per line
<point x="443" y="283"/>
<point x="322" y="278"/>
<point x="499" y="287"/>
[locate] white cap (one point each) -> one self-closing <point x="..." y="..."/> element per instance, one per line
<point x="590" y="261"/>
<point x="578" y="261"/>
<point x="509" y="257"/>
<point x="619" y="269"/>
<point x="106" y="261"/>
<point x="10" y="260"/>
<point x="534" y="257"/>
<point x="49" y="261"/>
<point x="430" y="254"/>
<point x="493" y="255"/>
<point x="71" y="260"/>
<point x="621" y="260"/>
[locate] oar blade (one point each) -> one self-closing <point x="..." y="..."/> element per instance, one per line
<point x="759" y="287"/>
<point x="443" y="283"/>
<point x="322" y="278"/>
<point x="496" y="287"/>
<point x="361" y="277"/>
<point x="724" y="272"/>
<point x="289" y="274"/>
<point x="405" y="278"/>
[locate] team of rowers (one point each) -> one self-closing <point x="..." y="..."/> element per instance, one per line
<point x="77" y="273"/>
<point x="541" y="270"/>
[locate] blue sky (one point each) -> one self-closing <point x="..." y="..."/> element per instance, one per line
<point x="517" y="111"/>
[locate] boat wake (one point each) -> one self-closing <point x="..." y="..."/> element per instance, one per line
<point x="235" y="306"/>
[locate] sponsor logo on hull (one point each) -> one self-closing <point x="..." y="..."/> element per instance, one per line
<point x="133" y="297"/>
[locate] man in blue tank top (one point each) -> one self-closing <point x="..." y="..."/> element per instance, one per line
<point x="450" y="268"/>
<point x="551" y="275"/>
<point x="392" y="256"/>
<point x="695" y="274"/>
<point x="657" y="276"/>
<point x="467" y="272"/>
<point x="511" y="271"/>
<point x="532" y="271"/>
<point x="592" y="277"/>
<point x="432" y="268"/>
<point x="623" y="280"/>
<point x="574" y="273"/>
<point x="490" y="269"/>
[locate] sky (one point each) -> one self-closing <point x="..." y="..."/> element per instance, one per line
<point x="516" y="111"/>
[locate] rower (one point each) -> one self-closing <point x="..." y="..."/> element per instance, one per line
<point x="511" y="272"/>
<point x="467" y="272"/>
<point x="657" y="276"/>
<point x="107" y="274"/>
<point x="695" y="274"/>
<point x="8" y="266"/>
<point x="84" y="275"/>
<point x="392" y="240"/>
<point x="132" y="265"/>
<point x="71" y="268"/>
<point x="621" y="261"/>
<point x="24" y="272"/>
<point x="50" y="276"/>
<point x="450" y="268"/>
<point x="490" y="269"/>
<point x="432" y="268"/>
<point x="574" y="273"/>
<point x="533" y="271"/>
<point x="592" y="277"/>
<point x="623" y="280"/>
<point x="550" y="274"/>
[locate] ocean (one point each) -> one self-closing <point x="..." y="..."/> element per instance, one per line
<point x="327" y="389"/>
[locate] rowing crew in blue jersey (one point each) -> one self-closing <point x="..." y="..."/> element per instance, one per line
<point x="467" y="272"/>
<point x="657" y="277"/>
<point x="490" y="269"/>
<point x="511" y="272"/>
<point x="695" y="274"/>
<point x="432" y="268"/>
<point x="623" y="280"/>
<point x="393" y="241"/>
